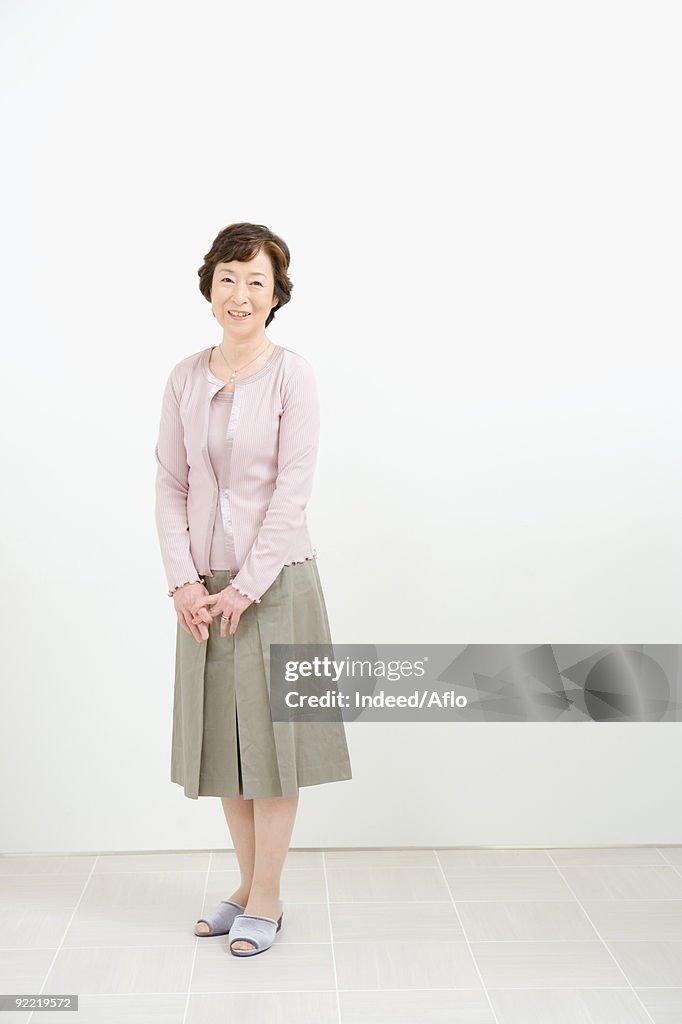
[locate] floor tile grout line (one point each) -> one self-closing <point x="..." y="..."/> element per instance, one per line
<point x="313" y="942"/>
<point x="196" y="940"/>
<point x="471" y="952"/>
<point x="603" y="941"/>
<point x="416" y="988"/>
<point x="61" y="941"/>
<point x="360" y="867"/>
<point x="331" y="937"/>
<point x="293" y="868"/>
<point x="415" y="903"/>
<point x="352" y="854"/>
<point x="517" y="899"/>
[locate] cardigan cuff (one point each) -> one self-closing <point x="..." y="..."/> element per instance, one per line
<point x="171" y="592"/>
<point x="256" y="600"/>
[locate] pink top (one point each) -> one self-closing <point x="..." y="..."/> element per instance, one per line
<point x="258" y="496"/>
<point x="223" y="555"/>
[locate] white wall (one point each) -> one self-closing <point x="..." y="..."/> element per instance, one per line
<point x="483" y="207"/>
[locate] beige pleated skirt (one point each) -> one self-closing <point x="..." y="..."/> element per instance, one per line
<point x="224" y="741"/>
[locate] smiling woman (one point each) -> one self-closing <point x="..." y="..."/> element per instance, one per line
<point x="249" y="256"/>
<point x="236" y="458"/>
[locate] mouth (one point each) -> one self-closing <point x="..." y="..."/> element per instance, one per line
<point x="235" y="314"/>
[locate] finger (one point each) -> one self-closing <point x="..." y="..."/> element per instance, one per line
<point x="193" y="629"/>
<point x="234" y="621"/>
<point x="182" y="623"/>
<point x="224" y="624"/>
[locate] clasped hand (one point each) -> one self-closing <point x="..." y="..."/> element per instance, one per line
<point x="195" y="617"/>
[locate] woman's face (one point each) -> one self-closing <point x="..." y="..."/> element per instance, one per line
<point x="247" y="288"/>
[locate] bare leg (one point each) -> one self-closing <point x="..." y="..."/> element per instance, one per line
<point x="239" y="816"/>
<point x="273" y="823"/>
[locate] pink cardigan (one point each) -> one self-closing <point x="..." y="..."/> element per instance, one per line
<point x="273" y="435"/>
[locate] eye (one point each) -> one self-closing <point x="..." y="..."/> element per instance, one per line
<point x="259" y="283"/>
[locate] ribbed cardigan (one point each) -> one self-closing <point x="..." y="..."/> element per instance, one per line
<point x="273" y="433"/>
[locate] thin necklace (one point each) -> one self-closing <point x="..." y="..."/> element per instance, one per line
<point x="235" y="372"/>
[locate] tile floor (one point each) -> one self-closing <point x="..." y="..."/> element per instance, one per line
<point x="468" y="936"/>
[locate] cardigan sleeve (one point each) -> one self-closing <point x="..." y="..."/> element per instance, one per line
<point x="172" y="473"/>
<point x="299" y="430"/>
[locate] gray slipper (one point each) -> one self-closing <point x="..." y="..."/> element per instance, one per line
<point x="252" y="928"/>
<point x="220" y="920"/>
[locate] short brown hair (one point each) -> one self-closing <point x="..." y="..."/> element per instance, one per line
<point x="242" y="242"/>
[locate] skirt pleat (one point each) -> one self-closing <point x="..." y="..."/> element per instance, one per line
<point x="224" y="742"/>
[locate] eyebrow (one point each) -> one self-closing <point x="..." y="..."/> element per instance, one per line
<point x="228" y="270"/>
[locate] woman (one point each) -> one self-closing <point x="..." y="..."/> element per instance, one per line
<point x="235" y="460"/>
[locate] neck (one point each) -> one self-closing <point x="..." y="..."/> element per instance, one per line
<point x="244" y="346"/>
<point x="250" y="359"/>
